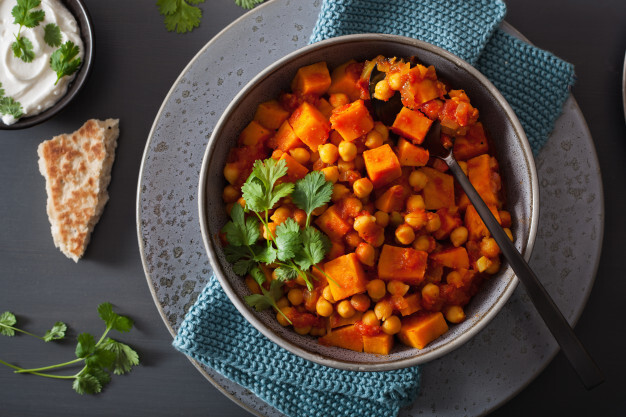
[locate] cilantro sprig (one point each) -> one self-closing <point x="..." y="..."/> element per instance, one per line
<point x="99" y="358"/>
<point x="25" y="17"/>
<point x="294" y="250"/>
<point x="9" y="106"/>
<point x="52" y="35"/>
<point x="64" y="61"/>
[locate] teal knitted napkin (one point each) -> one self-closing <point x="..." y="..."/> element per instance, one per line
<point x="535" y="83"/>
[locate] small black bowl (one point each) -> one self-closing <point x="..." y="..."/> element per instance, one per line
<point x="79" y="10"/>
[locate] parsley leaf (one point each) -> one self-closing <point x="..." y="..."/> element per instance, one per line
<point x="52" y="35"/>
<point x="24" y="17"/>
<point x="23" y="49"/>
<point x="260" y="190"/>
<point x="57" y="332"/>
<point x="288" y="239"/>
<point x="311" y="192"/>
<point x="241" y="231"/>
<point x="248" y="4"/>
<point x="7" y="320"/>
<point x="125" y="356"/>
<point x="179" y="15"/>
<point x="64" y="61"/>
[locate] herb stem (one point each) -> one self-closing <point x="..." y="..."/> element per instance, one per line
<point x="45" y="368"/>
<point x="21" y="331"/>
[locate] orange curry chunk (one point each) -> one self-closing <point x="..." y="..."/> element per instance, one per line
<point x="347" y="276"/>
<point x="402" y="264"/>
<point x="421" y="86"/>
<point x="310" y="125"/>
<point x="295" y="170"/>
<point x="285" y="139"/>
<point x="420" y="329"/>
<point x="331" y="223"/>
<point x="439" y="190"/>
<point x="382" y="165"/>
<point x="380" y="344"/>
<point x="271" y="114"/>
<point x="411" y="155"/>
<point x="455" y="258"/>
<point x="482" y="173"/>
<point x="413" y="304"/>
<point x="344" y="80"/>
<point x="475" y="226"/>
<point x="474" y="143"/>
<point x="352" y="120"/>
<point x="411" y="124"/>
<point x="392" y="200"/>
<point x="312" y="79"/>
<point x="254" y="134"/>
<point x="348" y="337"/>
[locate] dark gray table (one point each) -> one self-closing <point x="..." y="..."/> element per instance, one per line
<point x="137" y="60"/>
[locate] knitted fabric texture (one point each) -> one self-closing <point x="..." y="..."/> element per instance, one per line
<point x="216" y="334"/>
<point x="534" y="82"/>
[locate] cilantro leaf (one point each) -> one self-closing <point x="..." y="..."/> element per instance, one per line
<point x="86" y="384"/>
<point x="248" y="4"/>
<point x="267" y="255"/>
<point x="100" y="374"/>
<point x="64" y="61"/>
<point x="125" y="356"/>
<point x="258" y="275"/>
<point x="284" y="273"/>
<point x="167" y="7"/>
<point x="23" y="49"/>
<point x="288" y="239"/>
<point x="268" y="299"/>
<point x="311" y="192"/>
<point x="241" y="231"/>
<point x="315" y="245"/>
<point x="243" y="266"/>
<point x="56" y="332"/>
<point x="101" y="358"/>
<point x="52" y="35"/>
<point x="86" y="345"/>
<point x="1" y="91"/>
<point x="11" y="107"/>
<point x="179" y="15"/>
<point x="260" y="190"/>
<point x="24" y="17"/>
<point x="114" y="320"/>
<point x="7" y="320"/>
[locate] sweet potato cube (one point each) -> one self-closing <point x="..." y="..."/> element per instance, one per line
<point x="449" y="222"/>
<point x="382" y="165"/>
<point x="344" y="79"/>
<point x="335" y="320"/>
<point x="439" y="190"/>
<point x="295" y="170"/>
<point x="402" y="264"/>
<point x="254" y="134"/>
<point x="422" y="86"/>
<point x="331" y="223"/>
<point x="474" y="143"/>
<point x="352" y="120"/>
<point x="414" y="304"/>
<point x="285" y="139"/>
<point x="411" y="124"/>
<point x="455" y="258"/>
<point x="380" y="344"/>
<point x="484" y="178"/>
<point x="348" y="276"/>
<point x="392" y="200"/>
<point x="420" y="329"/>
<point x="310" y="125"/>
<point x="347" y="337"/>
<point x="411" y="155"/>
<point x="271" y="114"/>
<point x="312" y="79"/>
<point x="475" y="225"/>
<point x="325" y="107"/>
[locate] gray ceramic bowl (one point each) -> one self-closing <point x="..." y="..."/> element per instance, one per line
<point x="511" y="148"/>
<point x="79" y="10"/>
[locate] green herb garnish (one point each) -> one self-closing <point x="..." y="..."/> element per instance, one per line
<point x="52" y="35"/>
<point x="180" y="15"/>
<point x="99" y="358"/>
<point x="248" y="4"/>
<point x="23" y="47"/>
<point x="11" y="107"/>
<point x="64" y="61"/>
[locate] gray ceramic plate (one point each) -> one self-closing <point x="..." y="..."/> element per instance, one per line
<point x="474" y="379"/>
<point x="516" y="166"/>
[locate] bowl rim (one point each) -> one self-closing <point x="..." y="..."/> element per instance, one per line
<point x="87" y="34"/>
<point x="252" y="317"/>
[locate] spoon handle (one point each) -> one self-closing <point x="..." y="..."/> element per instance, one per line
<point x="573" y="349"/>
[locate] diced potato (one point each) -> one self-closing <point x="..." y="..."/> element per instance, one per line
<point x="380" y="344"/>
<point x="254" y="134"/>
<point x="439" y="190"/>
<point x="455" y="258"/>
<point x="411" y="124"/>
<point x="285" y="139"/>
<point x="420" y="329"/>
<point x="471" y="145"/>
<point x="414" y="304"/>
<point x="271" y="114"/>
<point x="392" y="200"/>
<point x="402" y="264"/>
<point x="344" y="79"/>
<point x="352" y="120"/>
<point x="411" y="155"/>
<point x="348" y="276"/>
<point x="295" y="170"/>
<point x="335" y="320"/>
<point x="312" y="79"/>
<point x="485" y="179"/>
<point x="475" y="225"/>
<point x="347" y="337"/>
<point x="325" y="107"/>
<point x="382" y="165"/>
<point x="331" y="223"/>
<point x="449" y="222"/>
<point x="310" y="125"/>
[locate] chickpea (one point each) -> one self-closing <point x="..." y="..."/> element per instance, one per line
<point x="331" y="173"/>
<point x="362" y="187"/>
<point x="345" y="309"/>
<point x="505" y="218"/>
<point x="454" y="314"/>
<point x="300" y="281"/>
<point x="361" y="222"/>
<point x="434" y="222"/>
<point x="231" y="172"/>
<point x="340" y="191"/>
<point x="369" y="318"/>
<point x="455" y="278"/>
<point x="352" y="206"/>
<point x="374" y="139"/>
<point x="328" y="294"/>
<point x="422" y="243"/>
<point x="394" y="80"/>
<point x="315" y="156"/>
<point x="295" y="296"/>
<point x="301" y="155"/>
<point x="459" y="236"/>
<point x="282" y="302"/>
<point x="282" y="320"/>
<point x="489" y="247"/>
<point x="360" y="302"/>
<point x="323" y="307"/>
<point x="383" y="309"/>
<point x="416" y="219"/>
<point x="241" y="202"/>
<point x="392" y="325"/>
<point x="415" y="202"/>
<point x="339" y="99"/>
<point x="328" y="153"/>
<point x="463" y="166"/>
<point x="382" y="129"/>
<point x="483" y="263"/>
<point x="405" y="234"/>
<point x="353" y="240"/>
<point x="376" y="289"/>
<point x="345" y="166"/>
<point x="396" y="219"/>
<point x="396" y="287"/>
<point x="382" y="91"/>
<point x="365" y="253"/>
<point x="230" y="194"/>
<point x="252" y="285"/>
<point x="269" y="235"/>
<point x="508" y="233"/>
<point x="281" y="214"/>
<point x="302" y="330"/>
<point x="299" y="216"/>
<point x="418" y="180"/>
<point x="494" y="267"/>
<point x="430" y="291"/>
<point x="382" y="218"/>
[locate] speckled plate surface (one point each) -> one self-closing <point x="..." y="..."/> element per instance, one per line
<point x="473" y="380"/>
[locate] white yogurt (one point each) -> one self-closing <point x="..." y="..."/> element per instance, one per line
<point x="32" y="83"/>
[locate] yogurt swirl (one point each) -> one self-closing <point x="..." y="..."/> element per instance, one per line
<point x="32" y="83"/>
